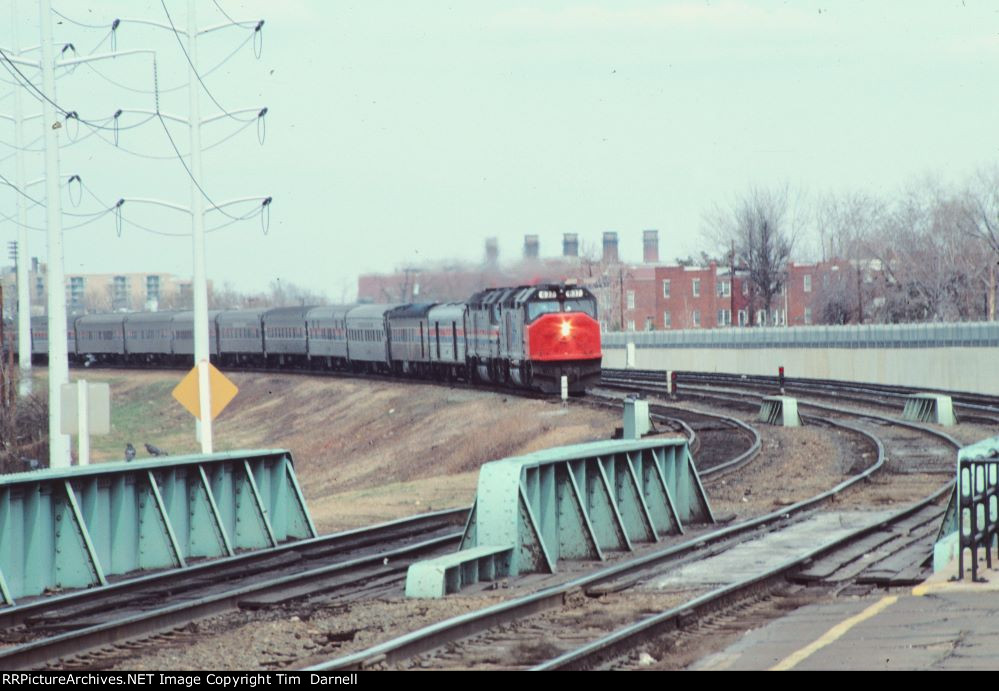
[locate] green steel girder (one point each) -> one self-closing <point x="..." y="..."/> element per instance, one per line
<point x="582" y="501"/>
<point x="75" y="527"/>
<point x="928" y="407"/>
<point x="779" y="410"/>
<point x="433" y="578"/>
<point x="957" y="521"/>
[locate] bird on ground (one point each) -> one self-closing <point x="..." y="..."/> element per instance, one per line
<point x="129" y="452"/>
<point x="155" y="450"/>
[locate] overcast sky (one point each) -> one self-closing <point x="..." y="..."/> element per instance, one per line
<point x="400" y="132"/>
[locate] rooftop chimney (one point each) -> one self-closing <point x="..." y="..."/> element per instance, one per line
<point x="492" y="252"/>
<point x="570" y="245"/>
<point x="530" y="247"/>
<point x="650" y="244"/>
<point x="610" y="248"/>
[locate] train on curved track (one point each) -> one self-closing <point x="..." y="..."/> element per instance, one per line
<point x="524" y="336"/>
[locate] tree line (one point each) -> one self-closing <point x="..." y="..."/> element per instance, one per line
<point x="929" y="253"/>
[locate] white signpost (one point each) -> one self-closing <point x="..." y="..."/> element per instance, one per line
<point x="86" y="410"/>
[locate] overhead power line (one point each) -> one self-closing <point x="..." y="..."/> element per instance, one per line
<point x="194" y="69"/>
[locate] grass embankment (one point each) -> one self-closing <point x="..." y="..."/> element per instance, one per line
<point x="364" y="451"/>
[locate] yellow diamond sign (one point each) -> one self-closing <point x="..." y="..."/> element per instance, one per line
<point x="222" y="391"/>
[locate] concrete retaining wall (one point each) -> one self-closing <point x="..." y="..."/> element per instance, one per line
<point x="970" y="369"/>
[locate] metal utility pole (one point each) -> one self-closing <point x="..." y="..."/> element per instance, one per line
<point x="23" y="289"/>
<point x="200" y="279"/>
<point x="59" y="443"/>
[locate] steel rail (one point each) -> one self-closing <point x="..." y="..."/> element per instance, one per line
<point x="720" y="394"/>
<point x="433" y="636"/>
<point x="625" y="639"/>
<point x="158" y="620"/>
<point x="314" y="547"/>
<point x="970" y="401"/>
<point x="722" y="468"/>
<point x="455" y="628"/>
<point x="153" y="621"/>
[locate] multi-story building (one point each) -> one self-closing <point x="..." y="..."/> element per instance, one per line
<point x="688" y="297"/>
<point x="103" y="292"/>
<point x="823" y="292"/>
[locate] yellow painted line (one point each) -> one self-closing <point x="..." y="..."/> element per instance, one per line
<point x="833" y="634"/>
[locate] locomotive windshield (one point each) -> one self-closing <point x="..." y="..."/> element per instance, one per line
<point x="585" y="305"/>
<point x="536" y="309"/>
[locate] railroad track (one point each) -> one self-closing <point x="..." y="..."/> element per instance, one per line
<point x="907" y="445"/>
<point x="55" y="629"/>
<point x="972" y="407"/>
<point x="92" y="629"/>
<point x="698" y="425"/>
<point x="555" y="628"/>
<point x="719" y="443"/>
<point x="648" y="641"/>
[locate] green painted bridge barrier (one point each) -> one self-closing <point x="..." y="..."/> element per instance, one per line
<point x="971" y="520"/>
<point x="571" y="503"/>
<point x="73" y="528"/>
<point x="450" y="573"/>
<point x="928" y="407"/>
<point x="779" y="410"/>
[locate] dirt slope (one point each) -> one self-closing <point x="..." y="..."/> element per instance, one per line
<point x="364" y="451"/>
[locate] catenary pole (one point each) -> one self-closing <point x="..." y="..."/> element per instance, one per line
<point x="200" y="291"/>
<point x="59" y="443"/>
<point x="23" y="258"/>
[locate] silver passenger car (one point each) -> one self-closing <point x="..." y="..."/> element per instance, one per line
<point x="447" y="329"/>
<point x="101" y="336"/>
<point x="409" y="333"/>
<point x="241" y="335"/>
<point x="182" y="328"/>
<point x="40" y="337"/>
<point x="284" y="333"/>
<point x="149" y="335"/>
<point x="327" y="332"/>
<point x="367" y="344"/>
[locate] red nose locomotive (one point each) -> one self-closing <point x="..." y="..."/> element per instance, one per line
<point x="532" y="336"/>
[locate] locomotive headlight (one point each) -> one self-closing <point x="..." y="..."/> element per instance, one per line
<point x="566" y="329"/>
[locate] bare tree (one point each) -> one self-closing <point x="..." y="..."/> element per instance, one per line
<point x="227" y="297"/>
<point x="23" y="424"/>
<point x="286" y="293"/>
<point x="981" y="221"/>
<point x="934" y="269"/>
<point x="762" y="229"/>
<point x="847" y="225"/>
<point x="837" y="303"/>
<point x="97" y="300"/>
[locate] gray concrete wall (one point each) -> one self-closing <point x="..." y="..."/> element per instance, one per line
<point x="970" y="369"/>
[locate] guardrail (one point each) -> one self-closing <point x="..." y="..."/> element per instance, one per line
<point x="977" y="503"/>
<point x="73" y="528"/>
<point x="585" y="500"/>
<point x="576" y="502"/>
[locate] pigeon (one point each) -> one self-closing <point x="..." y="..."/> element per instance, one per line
<point x="129" y="452"/>
<point x="155" y="450"/>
